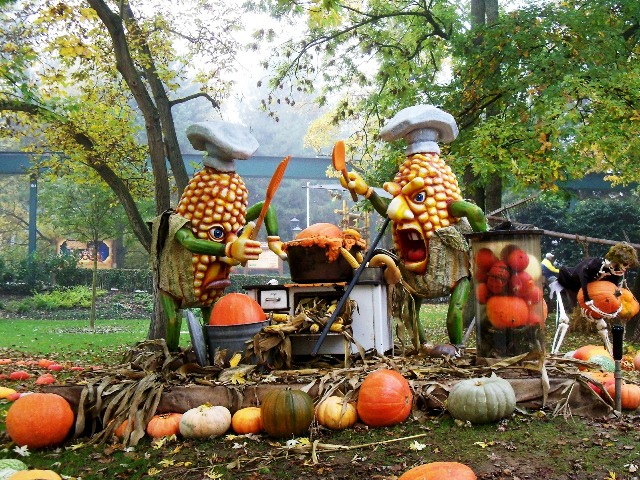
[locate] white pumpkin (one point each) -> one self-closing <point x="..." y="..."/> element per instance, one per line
<point x="205" y="421"/>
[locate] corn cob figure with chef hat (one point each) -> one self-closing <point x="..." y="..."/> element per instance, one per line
<point x="195" y="246"/>
<point x="429" y="218"/>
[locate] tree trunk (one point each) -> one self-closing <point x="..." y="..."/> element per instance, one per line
<point x="487" y="195"/>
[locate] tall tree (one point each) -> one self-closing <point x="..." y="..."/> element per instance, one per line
<point x="548" y="91"/>
<point x="71" y="73"/>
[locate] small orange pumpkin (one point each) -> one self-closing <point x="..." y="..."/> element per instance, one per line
<point x="334" y="413"/>
<point x="247" y="420"/>
<point x="39" y="420"/>
<point x="630" y="306"/>
<point x="384" y="399"/>
<point x="122" y="428"/>
<point x="629" y="395"/>
<point x="498" y="278"/>
<point x="507" y="312"/>
<point x="236" y="309"/>
<point x="485" y="258"/>
<point x="439" y="471"/>
<point x="328" y="230"/>
<point x="164" y="425"/>
<point x="636" y="361"/>
<point x="605" y="296"/>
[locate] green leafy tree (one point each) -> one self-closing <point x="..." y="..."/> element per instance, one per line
<point x="542" y="93"/>
<point x="75" y="74"/>
<point x="88" y="216"/>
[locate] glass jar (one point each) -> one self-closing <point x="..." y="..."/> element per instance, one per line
<point x="509" y="305"/>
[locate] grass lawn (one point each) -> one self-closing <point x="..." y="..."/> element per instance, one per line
<point x="530" y="445"/>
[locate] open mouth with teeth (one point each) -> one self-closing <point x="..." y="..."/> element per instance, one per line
<point x="411" y="245"/>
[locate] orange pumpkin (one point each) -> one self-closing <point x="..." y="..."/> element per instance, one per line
<point x="629" y="395"/>
<point x="164" y="425"/>
<point x="39" y="420"/>
<point x="247" y="420"/>
<point x="482" y="293"/>
<point x="122" y="428"/>
<point x="333" y="413"/>
<point x="485" y="258"/>
<point x="587" y="351"/>
<point x="439" y="471"/>
<point x="636" y="361"/>
<point x="236" y="309"/>
<point x="630" y="306"/>
<point x="498" y="278"/>
<point x="320" y="230"/>
<point x="605" y="296"/>
<point x="384" y="399"/>
<point x="507" y="312"/>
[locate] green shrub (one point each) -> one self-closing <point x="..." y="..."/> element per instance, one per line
<point x="63" y="298"/>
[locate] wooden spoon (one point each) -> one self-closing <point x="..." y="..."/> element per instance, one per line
<point x="340" y="164"/>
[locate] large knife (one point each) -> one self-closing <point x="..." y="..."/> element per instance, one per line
<point x="271" y="191"/>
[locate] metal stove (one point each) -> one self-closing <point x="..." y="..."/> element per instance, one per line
<point x="371" y="325"/>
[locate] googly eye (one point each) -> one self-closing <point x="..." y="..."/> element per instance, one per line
<point x="216" y="233"/>
<point x="419" y="197"/>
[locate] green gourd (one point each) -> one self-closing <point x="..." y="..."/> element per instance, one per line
<point x="481" y="400"/>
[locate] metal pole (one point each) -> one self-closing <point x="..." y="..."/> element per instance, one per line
<point x="617" y="331"/>
<point x="308" y="214"/>
<point x="33" y="209"/>
<point x="350" y="287"/>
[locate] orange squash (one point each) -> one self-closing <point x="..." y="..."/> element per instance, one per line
<point x="636" y="361"/>
<point x="498" y="278"/>
<point x="247" y="420"/>
<point x="440" y="471"/>
<point x="630" y="306"/>
<point x="507" y="312"/>
<point x="629" y="396"/>
<point x="39" y="420"/>
<point x="384" y="399"/>
<point x="236" y="309"/>
<point x="587" y="351"/>
<point x="328" y="230"/>
<point x="605" y="296"/>
<point x="485" y="258"/>
<point x="164" y="425"/>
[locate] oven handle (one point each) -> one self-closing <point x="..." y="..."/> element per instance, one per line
<point x="352" y="284"/>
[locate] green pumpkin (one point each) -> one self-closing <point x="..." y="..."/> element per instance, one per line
<point x="481" y="400"/>
<point x="286" y="412"/>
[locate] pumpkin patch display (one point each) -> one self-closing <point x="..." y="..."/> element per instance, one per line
<point x="605" y="296"/>
<point x="439" y="471"/>
<point x="164" y="425"/>
<point x="385" y="398"/>
<point x="287" y="412"/>
<point x="39" y="420"/>
<point x="205" y="421"/>
<point x="336" y="414"/>
<point x="481" y="400"/>
<point x="247" y="420"/>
